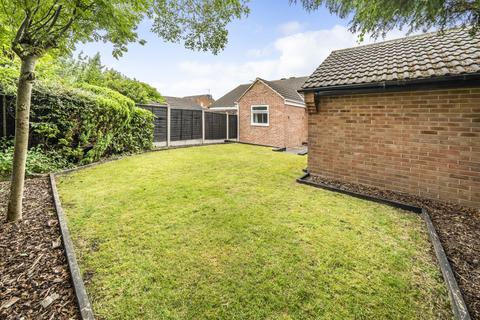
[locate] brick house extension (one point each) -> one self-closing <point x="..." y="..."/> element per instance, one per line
<point x="402" y="115"/>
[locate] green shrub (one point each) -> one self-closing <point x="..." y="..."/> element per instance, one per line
<point x="86" y="123"/>
<point x="78" y="123"/>
<point x="37" y="161"/>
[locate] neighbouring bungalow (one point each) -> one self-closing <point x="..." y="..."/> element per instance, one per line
<point x="199" y="102"/>
<point x="402" y="115"/>
<point x="270" y="113"/>
<point x="228" y="102"/>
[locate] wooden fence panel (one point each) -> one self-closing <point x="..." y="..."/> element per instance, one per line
<point x="215" y="126"/>
<point x="160" y="122"/>
<point x="232" y="126"/>
<point x="176" y="124"/>
<point x="186" y="124"/>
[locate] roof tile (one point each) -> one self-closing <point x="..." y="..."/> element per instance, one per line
<point x="452" y="53"/>
<point x="287" y="88"/>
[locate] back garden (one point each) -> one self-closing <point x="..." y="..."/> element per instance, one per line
<point x="223" y="232"/>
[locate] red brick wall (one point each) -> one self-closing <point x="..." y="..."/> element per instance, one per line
<point x="425" y="143"/>
<point x="296" y="129"/>
<point x="287" y="124"/>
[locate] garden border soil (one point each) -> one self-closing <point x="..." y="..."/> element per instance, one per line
<point x="86" y="312"/>
<point x="459" y="307"/>
<point x="35" y="281"/>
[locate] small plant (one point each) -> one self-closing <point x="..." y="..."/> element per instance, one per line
<point x="38" y="161"/>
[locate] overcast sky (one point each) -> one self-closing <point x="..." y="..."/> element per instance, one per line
<point x="276" y="40"/>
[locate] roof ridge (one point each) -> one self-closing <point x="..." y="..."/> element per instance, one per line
<point x="280" y="88"/>
<point x="405" y="38"/>
<point x="283" y="79"/>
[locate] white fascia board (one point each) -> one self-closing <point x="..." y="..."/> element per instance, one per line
<point x="223" y="108"/>
<point x="294" y="103"/>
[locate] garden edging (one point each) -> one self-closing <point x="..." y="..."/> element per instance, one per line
<point x="459" y="307"/>
<point x="86" y="312"/>
<point x="458" y="304"/>
<point x="83" y="302"/>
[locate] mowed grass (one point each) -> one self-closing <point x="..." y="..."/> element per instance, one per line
<point x="225" y="232"/>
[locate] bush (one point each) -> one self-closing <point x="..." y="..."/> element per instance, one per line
<point x="37" y="162"/>
<point x="86" y="123"/>
<point x="74" y="124"/>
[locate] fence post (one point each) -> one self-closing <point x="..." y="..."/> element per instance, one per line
<point x="227" y="125"/>
<point x="203" y="126"/>
<point x="168" y="125"/>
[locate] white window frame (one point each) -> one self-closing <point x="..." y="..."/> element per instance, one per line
<point x="267" y="112"/>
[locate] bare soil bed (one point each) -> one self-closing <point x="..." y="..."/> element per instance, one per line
<point x="34" y="278"/>
<point x="458" y="228"/>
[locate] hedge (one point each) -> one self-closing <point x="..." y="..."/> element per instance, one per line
<point x="85" y="123"/>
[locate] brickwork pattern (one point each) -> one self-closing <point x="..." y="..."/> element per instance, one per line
<point x="287" y="124"/>
<point x="425" y="143"/>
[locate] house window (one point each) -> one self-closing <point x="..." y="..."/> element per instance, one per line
<point x="260" y="115"/>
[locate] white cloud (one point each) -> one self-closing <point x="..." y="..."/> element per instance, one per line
<point x="297" y="54"/>
<point x="291" y="27"/>
<point x="260" y="53"/>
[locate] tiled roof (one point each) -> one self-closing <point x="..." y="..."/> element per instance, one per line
<point x="229" y="99"/>
<point x="288" y="88"/>
<point x="427" y="56"/>
<point x="183" y="103"/>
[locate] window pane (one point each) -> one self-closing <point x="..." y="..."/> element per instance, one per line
<point x="265" y="118"/>
<point x="260" y="116"/>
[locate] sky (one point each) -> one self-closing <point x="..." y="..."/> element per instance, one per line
<point x="277" y="40"/>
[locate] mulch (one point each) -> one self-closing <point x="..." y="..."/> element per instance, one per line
<point x="458" y="229"/>
<point x="34" y="278"/>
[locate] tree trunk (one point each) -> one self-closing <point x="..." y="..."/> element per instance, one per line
<point x="22" y="121"/>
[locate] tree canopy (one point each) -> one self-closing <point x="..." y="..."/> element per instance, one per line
<point x="377" y="17"/>
<point x="90" y="70"/>
<point x="34" y="28"/>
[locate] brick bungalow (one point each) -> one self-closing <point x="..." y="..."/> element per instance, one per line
<point x="271" y="113"/>
<point x="402" y="115"/>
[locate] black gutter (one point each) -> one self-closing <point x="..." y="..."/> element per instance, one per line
<point x="395" y="85"/>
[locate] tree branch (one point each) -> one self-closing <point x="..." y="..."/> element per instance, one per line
<point x="55" y="18"/>
<point x="20" y="35"/>
<point x="37" y="7"/>
<point x="59" y="32"/>
<point x="48" y="16"/>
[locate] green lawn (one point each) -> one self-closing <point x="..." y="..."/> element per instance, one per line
<point x="225" y="232"/>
